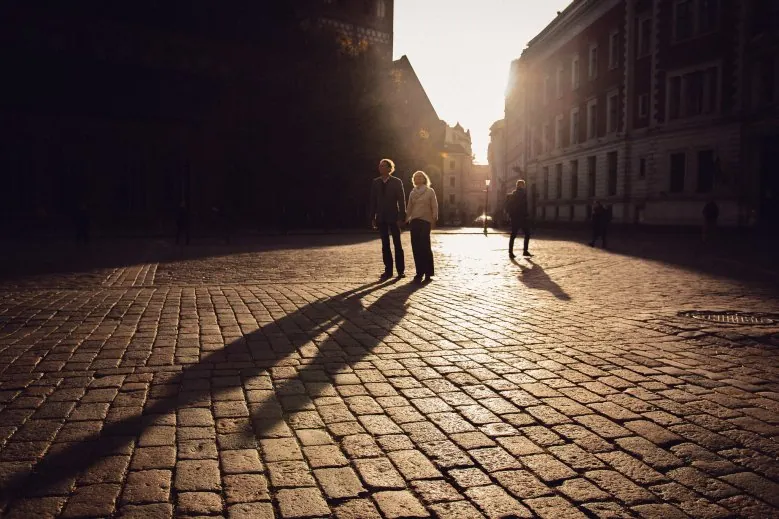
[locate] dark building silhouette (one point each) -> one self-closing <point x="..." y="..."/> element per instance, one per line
<point x="133" y="109"/>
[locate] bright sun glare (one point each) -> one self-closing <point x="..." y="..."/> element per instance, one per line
<point x="461" y="50"/>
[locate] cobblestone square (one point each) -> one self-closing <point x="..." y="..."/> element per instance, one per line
<point x="276" y="377"/>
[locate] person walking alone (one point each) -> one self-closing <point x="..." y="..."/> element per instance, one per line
<point x="422" y="214"/>
<point x="600" y="223"/>
<point x="516" y="207"/>
<point x="388" y="211"/>
<point x="710" y="216"/>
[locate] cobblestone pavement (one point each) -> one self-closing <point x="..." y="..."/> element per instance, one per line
<point x="277" y="379"/>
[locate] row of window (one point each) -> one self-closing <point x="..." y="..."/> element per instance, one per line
<point x="706" y="174"/>
<point x="574" y="127"/>
<point x="678" y="162"/>
<point x="592" y="69"/>
<point x="690" y="94"/>
<point x="694" y="18"/>
<point x="691" y="18"/>
<point x="693" y="93"/>
<point x="592" y="177"/>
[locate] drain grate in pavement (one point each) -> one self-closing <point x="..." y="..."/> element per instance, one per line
<point x="747" y="318"/>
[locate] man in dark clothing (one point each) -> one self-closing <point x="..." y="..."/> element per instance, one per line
<point x="516" y="207"/>
<point x="388" y="211"/>
<point x="710" y="216"/>
<point x="600" y="222"/>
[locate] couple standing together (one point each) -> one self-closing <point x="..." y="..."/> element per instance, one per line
<point x="389" y="212"/>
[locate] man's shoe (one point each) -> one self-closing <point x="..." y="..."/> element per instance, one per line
<point x="401" y="275"/>
<point x="385" y="276"/>
<point x="417" y="278"/>
<point x="526" y="253"/>
<point x="427" y="280"/>
<point x="512" y="255"/>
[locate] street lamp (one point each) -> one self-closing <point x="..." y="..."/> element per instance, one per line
<point x="486" y="200"/>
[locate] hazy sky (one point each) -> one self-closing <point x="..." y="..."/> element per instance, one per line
<point x="461" y="50"/>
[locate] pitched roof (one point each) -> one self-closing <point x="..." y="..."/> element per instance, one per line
<point x="403" y="63"/>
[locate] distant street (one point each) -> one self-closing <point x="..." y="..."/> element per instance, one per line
<point x="275" y="377"/>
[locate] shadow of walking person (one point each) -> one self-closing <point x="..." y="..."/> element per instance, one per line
<point x="294" y="360"/>
<point x="535" y="278"/>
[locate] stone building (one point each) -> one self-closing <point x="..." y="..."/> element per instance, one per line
<point x="457" y="158"/>
<point x="474" y="194"/>
<point x="420" y="131"/>
<point x="496" y="158"/>
<point x="647" y="105"/>
<point x="367" y="23"/>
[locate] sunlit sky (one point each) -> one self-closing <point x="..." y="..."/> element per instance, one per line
<point x="461" y="50"/>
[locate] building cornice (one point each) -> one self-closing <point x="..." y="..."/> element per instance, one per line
<point x="568" y="25"/>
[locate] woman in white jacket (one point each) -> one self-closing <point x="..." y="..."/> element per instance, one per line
<point x="422" y="213"/>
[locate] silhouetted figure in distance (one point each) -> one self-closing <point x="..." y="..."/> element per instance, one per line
<point x="387" y="212"/>
<point x="600" y="222"/>
<point x="517" y="209"/>
<point x="422" y="213"/>
<point x="710" y="216"/>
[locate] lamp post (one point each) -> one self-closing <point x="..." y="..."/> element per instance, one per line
<point x="486" y="200"/>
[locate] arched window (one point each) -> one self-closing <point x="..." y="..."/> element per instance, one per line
<point x="381" y="9"/>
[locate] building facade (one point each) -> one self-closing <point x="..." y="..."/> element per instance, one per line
<point x="644" y="105"/>
<point x="476" y="193"/>
<point x="420" y="131"/>
<point x="496" y="158"/>
<point x="133" y="112"/>
<point x="362" y="23"/>
<point x="457" y="158"/>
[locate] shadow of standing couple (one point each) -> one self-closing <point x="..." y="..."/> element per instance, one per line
<point x="293" y="359"/>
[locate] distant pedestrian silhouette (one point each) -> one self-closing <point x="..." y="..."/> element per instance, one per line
<point x="517" y="209"/>
<point x="710" y="216"/>
<point x="422" y="213"/>
<point x="601" y="216"/>
<point x="388" y="211"/>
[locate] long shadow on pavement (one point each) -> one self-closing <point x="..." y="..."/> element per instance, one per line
<point x="342" y="329"/>
<point x="747" y="258"/>
<point x="536" y="278"/>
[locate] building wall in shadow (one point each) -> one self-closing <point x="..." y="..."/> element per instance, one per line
<point x="132" y="113"/>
